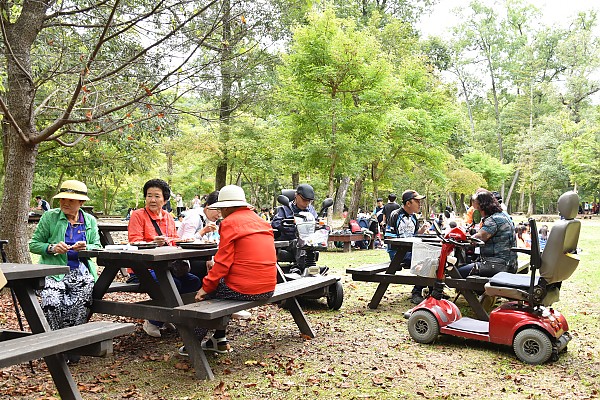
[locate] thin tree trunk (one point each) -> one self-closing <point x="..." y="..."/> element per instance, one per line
<point x="225" y="104"/>
<point x="355" y="200"/>
<point x="510" y="190"/>
<point x="340" y="196"/>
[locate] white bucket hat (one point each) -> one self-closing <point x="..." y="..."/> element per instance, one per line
<point x="72" y="189"/>
<point x="231" y="196"/>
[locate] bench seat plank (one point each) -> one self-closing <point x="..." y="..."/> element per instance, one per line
<point x="32" y="347"/>
<point x="124" y="287"/>
<point x="370" y="269"/>
<point x="216" y="308"/>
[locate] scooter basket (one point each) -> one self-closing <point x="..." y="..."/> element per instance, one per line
<point x="425" y="259"/>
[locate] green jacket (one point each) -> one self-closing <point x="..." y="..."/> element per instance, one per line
<point x="52" y="229"/>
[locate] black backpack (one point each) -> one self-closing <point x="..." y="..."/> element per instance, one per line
<point x="395" y="217"/>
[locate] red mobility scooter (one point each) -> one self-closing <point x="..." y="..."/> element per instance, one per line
<point x="536" y="331"/>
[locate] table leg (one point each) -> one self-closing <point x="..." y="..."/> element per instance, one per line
<point x="197" y="356"/>
<point x="394" y="266"/>
<point x="471" y="297"/>
<point x="57" y="365"/>
<point x="347" y="247"/>
<point x="299" y="317"/>
<point x="190" y="341"/>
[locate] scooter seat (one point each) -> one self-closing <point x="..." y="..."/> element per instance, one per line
<point x="509" y="280"/>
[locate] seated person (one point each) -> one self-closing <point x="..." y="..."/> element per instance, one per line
<point x="58" y="238"/>
<point x="523" y="238"/>
<point x="245" y="264"/>
<point x="303" y="199"/>
<point x="497" y="231"/>
<point x="200" y="223"/>
<point x="153" y="224"/>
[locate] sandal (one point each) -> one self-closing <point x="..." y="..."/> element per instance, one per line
<point x="218" y="345"/>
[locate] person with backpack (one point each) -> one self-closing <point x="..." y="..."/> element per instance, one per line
<point x="42" y="204"/>
<point x="404" y="224"/>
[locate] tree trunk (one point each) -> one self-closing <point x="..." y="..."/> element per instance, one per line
<point x="510" y="190"/>
<point x="295" y="180"/>
<point x="225" y="106"/>
<point x="18" y="182"/>
<point x="340" y="196"/>
<point x="355" y="200"/>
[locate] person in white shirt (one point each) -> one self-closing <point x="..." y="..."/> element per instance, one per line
<point x="200" y="222"/>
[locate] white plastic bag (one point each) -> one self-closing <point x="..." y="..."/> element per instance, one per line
<point x="425" y="259"/>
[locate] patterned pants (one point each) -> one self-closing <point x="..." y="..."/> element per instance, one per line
<point x="65" y="303"/>
<point x="225" y="292"/>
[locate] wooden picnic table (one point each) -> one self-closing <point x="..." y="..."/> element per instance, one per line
<point x="166" y="299"/>
<point x="393" y="273"/>
<point x="105" y="229"/>
<point x="348" y="238"/>
<point x="24" y="280"/>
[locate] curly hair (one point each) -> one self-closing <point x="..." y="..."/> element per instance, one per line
<point x="487" y="202"/>
<point x="160" y="184"/>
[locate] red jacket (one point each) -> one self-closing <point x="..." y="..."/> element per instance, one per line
<point x="246" y="257"/>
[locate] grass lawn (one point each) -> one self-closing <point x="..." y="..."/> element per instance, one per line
<point x="358" y="353"/>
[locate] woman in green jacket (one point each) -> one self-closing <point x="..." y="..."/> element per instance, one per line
<point x="60" y="235"/>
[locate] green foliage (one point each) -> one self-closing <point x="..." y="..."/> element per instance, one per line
<point x="490" y="168"/>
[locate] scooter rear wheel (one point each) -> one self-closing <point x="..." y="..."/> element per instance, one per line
<point x="532" y="346"/>
<point x="423" y="326"/>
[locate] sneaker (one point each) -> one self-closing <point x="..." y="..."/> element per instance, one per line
<point x="416" y="298"/>
<point x="241" y="315"/>
<point x="151" y="329"/>
<point x="183" y="352"/>
<point x="220" y="345"/>
<point x="170" y="327"/>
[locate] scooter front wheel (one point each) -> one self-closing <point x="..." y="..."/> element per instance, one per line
<point x="532" y="346"/>
<point x="423" y="326"/>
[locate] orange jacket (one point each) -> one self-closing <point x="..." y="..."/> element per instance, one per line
<point x="246" y="257"/>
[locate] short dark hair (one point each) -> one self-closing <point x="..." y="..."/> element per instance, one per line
<point x="158" y="183"/>
<point x="211" y="198"/>
<point x="392" y="197"/>
<point x="38" y="197"/>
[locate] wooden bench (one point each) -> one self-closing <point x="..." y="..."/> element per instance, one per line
<point x="93" y="338"/>
<point x="216" y="308"/>
<point x="348" y="238"/>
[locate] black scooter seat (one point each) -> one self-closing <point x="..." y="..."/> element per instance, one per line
<point x="515" y="281"/>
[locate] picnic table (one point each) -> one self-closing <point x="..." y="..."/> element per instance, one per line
<point x="105" y="229"/>
<point x="168" y="305"/>
<point x="93" y="338"/>
<point x="386" y="274"/>
<point x="348" y="238"/>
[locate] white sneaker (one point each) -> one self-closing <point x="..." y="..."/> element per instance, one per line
<point x="241" y="315"/>
<point x="151" y="329"/>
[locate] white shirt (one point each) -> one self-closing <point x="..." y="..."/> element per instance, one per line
<point x="192" y="223"/>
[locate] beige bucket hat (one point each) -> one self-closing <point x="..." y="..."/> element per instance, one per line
<point x="72" y="189"/>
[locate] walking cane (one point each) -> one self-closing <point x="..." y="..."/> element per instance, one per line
<point x="14" y="297"/>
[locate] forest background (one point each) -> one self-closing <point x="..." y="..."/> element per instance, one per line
<point x="345" y="95"/>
